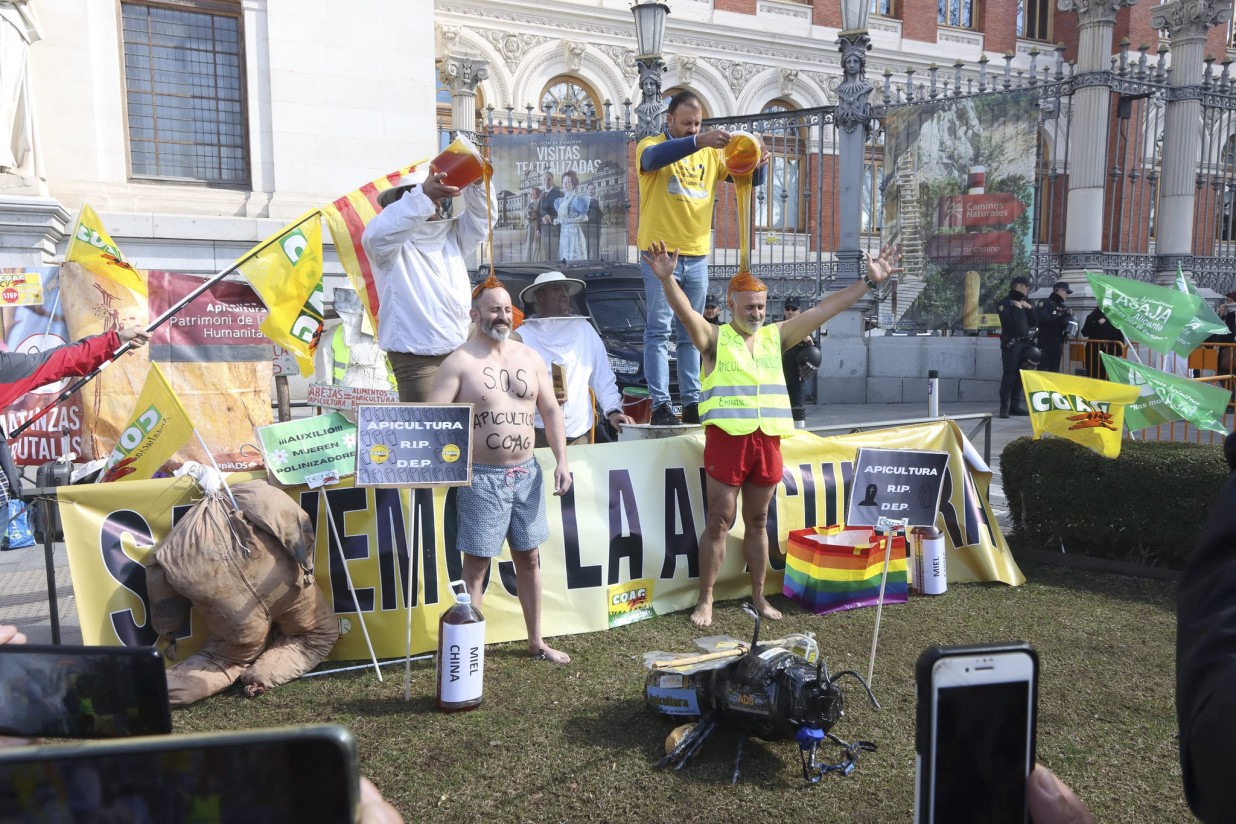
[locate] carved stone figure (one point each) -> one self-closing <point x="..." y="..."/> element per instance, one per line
<point x="19" y="27"/>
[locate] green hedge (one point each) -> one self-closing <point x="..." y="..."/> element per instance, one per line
<point x="1146" y="506"/>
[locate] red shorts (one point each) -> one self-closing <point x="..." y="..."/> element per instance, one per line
<point x="738" y="459"/>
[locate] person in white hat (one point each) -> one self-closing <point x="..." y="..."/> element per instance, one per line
<point x="420" y="269"/>
<point x="562" y="337"/>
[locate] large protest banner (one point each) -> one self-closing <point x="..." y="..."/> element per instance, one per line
<point x="579" y="177"/>
<point x="30" y="329"/>
<point x="623" y="542"/>
<point x="214" y="354"/>
<point x="969" y="166"/>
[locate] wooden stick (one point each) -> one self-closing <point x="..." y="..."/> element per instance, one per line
<point x="741" y="650"/>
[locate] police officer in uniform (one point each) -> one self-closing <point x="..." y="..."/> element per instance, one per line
<point x="1016" y="321"/>
<point x="1053" y="319"/>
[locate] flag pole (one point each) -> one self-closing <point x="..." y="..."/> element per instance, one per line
<point x="155" y="324"/>
<point x="347" y="574"/>
<point x="211" y="458"/>
<point x="889" y="529"/>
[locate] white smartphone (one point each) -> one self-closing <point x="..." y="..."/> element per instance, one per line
<point x="974" y="733"/>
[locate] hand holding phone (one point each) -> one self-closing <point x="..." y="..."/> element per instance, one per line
<point x="974" y="733"/>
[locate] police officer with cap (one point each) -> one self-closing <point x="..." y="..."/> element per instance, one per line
<point x="1016" y="322"/>
<point x="1054" y="320"/>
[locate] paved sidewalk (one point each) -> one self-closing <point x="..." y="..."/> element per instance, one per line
<point x="23" y="576"/>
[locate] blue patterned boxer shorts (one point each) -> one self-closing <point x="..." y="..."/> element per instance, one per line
<point x="503" y="502"/>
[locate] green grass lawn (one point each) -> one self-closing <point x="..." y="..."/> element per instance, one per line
<point x="575" y="743"/>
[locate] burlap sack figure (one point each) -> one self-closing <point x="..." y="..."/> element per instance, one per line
<point x="249" y="575"/>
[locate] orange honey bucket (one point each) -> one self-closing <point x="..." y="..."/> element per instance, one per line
<point x="461" y="162"/>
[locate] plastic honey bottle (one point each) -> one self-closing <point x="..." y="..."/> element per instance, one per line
<point x="461" y="657"/>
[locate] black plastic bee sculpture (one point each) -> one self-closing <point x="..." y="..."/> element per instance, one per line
<point x="771" y="690"/>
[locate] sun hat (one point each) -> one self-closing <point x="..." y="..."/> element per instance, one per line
<point x="574" y="286"/>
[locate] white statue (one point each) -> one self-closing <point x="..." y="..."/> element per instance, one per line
<point x="19" y="27"/>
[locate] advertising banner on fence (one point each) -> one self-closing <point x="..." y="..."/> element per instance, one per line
<point x="622" y="547"/>
<point x="958" y="181"/>
<point x="225" y="395"/>
<point x="31" y="329"/>
<point x="561" y="196"/>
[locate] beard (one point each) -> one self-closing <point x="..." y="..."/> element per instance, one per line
<point x="742" y="325"/>
<point x="496" y="330"/>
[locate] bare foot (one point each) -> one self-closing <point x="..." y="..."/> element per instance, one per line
<point x="544" y="652"/>
<point x="767" y="610"/>
<point x="702" y="616"/>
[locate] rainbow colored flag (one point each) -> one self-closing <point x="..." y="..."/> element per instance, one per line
<point x="347" y="218"/>
<point x="830" y="569"/>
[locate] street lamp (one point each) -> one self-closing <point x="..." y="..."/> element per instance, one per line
<point x="649" y="35"/>
<point x="853" y="111"/>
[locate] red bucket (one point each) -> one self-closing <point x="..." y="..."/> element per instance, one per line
<point x="637" y="404"/>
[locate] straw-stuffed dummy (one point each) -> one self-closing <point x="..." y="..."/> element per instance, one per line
<point x="248" y="572"/>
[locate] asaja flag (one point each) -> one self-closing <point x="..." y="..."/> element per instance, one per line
<point x="93" y="248"/>
<point x="1166" y="397"/>
<point x="158" y="428"/>
<point x="286" y="271"/>
<point x="1202" y="325"/>
<point x="1166" y="320"/>
<point x="347" y="218"/>
<point x="1086" y="411"/>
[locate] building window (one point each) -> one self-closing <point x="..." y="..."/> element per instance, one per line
<point x="183" y="79"/>
<point x="1034" y="19"/>
<point x="959" y="13"/>
<point x="567" y="98"/>
<point x="884" y="8"/>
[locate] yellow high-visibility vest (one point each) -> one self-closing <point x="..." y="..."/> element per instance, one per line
<point x="745" y="391"/>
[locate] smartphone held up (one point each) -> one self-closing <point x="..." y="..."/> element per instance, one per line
<point x="975" y="733"/>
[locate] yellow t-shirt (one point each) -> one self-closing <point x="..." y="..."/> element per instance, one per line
<point x="675" y="201"/>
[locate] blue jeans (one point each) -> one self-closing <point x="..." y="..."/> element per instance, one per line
<point x="692" y="276"/>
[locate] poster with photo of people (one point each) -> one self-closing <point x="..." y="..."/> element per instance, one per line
<point x="561" y="196"/>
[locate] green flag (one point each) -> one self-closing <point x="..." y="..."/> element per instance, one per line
<point x="1166" y="397"/>
<point x="1166" y="320"/>
<point x="1204" y="324"/>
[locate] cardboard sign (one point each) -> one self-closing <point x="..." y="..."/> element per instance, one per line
<point x="347" y="397"/>
<point x="414" y="445"/>
<point x="309" y="449"/>
<point x="21" y="289"/>
<point x="284" y="363"/>
<point x="896" y="484"/>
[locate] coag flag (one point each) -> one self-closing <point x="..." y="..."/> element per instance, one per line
<point x="286" y="271"/>
<point x="1084" y="410"/>
<point x="90" y="246"/>
<point x="1166" y="397"/>
<point x="158" y="427"/>
<point x="347" y="218"/>
<point x="1166" y="320"/>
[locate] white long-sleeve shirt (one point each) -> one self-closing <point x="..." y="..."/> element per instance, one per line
<point x="572" y="342"/>
<point x="420" y="270"/>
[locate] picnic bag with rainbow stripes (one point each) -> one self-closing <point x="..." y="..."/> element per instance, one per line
<point x="832" y="568"/>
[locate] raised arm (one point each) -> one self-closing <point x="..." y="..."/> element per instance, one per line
<point x="879" y="269"/>
<point x="662" y="262"/>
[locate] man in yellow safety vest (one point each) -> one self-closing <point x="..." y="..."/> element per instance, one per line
<point x="745" y="408"/>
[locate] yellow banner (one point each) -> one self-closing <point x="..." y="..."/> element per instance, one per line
<point x="157" y="429"/>
<point x="1086" y="411"/>
<point x="93" y="248"/>
<point x="622" y="547"/>
<point x="286" y="271"/>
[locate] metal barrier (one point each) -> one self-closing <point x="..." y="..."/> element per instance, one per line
<point x="981" y="420"/>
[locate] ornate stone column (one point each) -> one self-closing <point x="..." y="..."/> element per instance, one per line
<point x="1187" y="25"/>
<point x="853" y="122"/>
<point x="1091" y="104"/>
<point x="461" y="75"/>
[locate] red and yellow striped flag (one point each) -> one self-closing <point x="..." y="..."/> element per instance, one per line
<point x="347" y="218"/>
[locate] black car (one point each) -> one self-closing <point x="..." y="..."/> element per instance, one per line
<point x="614" y="301"/>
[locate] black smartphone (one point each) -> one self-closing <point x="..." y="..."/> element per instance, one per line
<point x="82" y="692"/>
<point x="974" y="733"/>
<point x="294" y="775"/>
